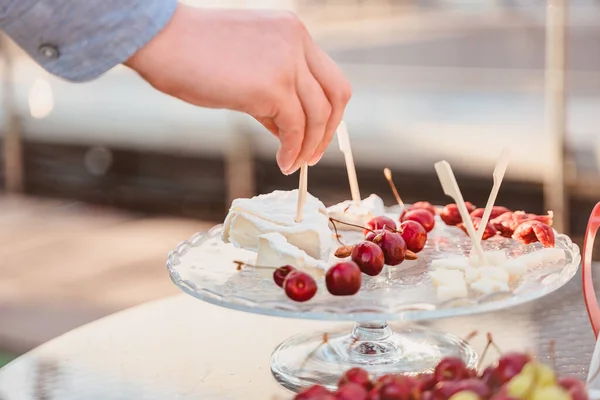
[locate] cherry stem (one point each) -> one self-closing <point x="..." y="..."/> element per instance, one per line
<point x="333" y="221"/>
<point x="485" y="350"/>
<point x="337" y="235"/>
<point x="470" y="336"/>
<point x="496" y="347"/>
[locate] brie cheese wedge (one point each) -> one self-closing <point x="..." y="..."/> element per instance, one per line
<point x="275" y="251"/>
<point x="276" y="212"/>
<point x="357" y="214"/>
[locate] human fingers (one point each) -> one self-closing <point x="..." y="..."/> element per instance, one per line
<point x="317" y="111"/>
<point x="269" y="124"/>
<point x="290" y="121"/>
<point x="335" y="86"/>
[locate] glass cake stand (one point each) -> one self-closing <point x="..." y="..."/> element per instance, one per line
<point x="204" y="267"/>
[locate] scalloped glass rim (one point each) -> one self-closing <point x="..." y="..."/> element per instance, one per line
<point x="351" y="308"/>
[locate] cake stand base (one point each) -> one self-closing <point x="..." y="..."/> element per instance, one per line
<point x="306" y="360"/>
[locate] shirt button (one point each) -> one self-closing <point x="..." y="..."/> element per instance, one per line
<point x="48" y="51"/>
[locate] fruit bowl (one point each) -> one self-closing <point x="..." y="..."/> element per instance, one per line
<point x="204" y="267"/>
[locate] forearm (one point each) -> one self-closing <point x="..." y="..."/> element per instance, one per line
<point x="79" y="40"/>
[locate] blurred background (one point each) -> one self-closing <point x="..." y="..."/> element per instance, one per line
<point x="100" y="180"/>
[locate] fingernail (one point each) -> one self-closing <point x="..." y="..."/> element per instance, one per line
<point x="290" y="171"/>
<point x="284" y="162"/>
<point x="313" y="161"/>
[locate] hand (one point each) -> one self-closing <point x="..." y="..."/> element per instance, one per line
<point x="262" y="63"/>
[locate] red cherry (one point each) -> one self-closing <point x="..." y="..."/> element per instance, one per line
<point x="428" y="395"/>
<point x="510" y="365"/>
<point x="423" y="217"/>
<point x="351" y="391"/>
<point x="395" y="391"/>
<point x="476" y="386"/>
<point x="423" y="205"/>
<point x="450" y="214"/>
<point x="414" y="235"/>
<point x="489" y="377"/>
<point x="374" y="394"/>
<point x="358" y="376"/>
<point x="426" y="382"/>
<point x="343" y="279"/>
<point x="300" y="286"/>
<point x="444" y="390"/>
<point x="384" y="379"/>
<point x="380" y="222"/>
<point x="451" y="369"/>
<point x="281" y="273"/>
<point x="313" y="392"/>
<point x="576" y="388"/>
<point x="400" y="387"/>
<point x="369" y="258"/>
<point x="392" y="244"/>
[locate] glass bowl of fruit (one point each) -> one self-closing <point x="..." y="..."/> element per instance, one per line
<point x="406" y="264"/>
<point x="514" y="376"/>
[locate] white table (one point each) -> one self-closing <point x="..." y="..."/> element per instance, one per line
<point x="181" y="348"/>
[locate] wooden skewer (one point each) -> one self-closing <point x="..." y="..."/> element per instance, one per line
<point x="450" y="186"/>
<point x="388" y="176"/>
<point x="344" y="143"/>
<point x="302" y="188"/>
<point x="498" y="175"/>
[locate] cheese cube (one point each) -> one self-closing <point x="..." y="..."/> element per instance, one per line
<point x="494" y="273"/>
<point x="486" y="285"/>
<point x="471" y="274"/>
<point x="447" y="277"/>
<point x="515" y="267"/>
<point x="449" y="292"/>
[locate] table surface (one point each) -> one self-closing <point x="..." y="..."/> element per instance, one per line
<point x="181" y="348"/>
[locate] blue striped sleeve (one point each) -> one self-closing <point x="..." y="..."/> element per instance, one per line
<point x="79" y="40"/>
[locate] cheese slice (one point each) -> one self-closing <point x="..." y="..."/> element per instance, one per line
<point x="275" y="251"/>
<point x="276" y="212"/>
<point x="357" y="214"/>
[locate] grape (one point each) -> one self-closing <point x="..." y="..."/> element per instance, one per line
<point x="520" y="385"/>
<point x="465" y="396"/>
<point x="575" y="387"/>
<point x="550" y="393"/>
